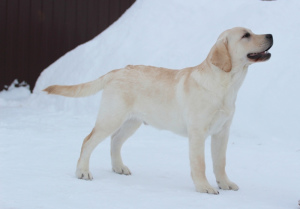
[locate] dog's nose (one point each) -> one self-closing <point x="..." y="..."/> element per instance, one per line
<point x="269" y="36"/>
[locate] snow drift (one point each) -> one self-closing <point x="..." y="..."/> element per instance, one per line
<point x="178" y="34"/>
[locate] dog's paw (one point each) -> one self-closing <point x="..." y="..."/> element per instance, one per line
<point x="84" y="174"/>
<point x="121" y="170"/>
<point x="227" y="185"/>
<point x="207" y="189"/>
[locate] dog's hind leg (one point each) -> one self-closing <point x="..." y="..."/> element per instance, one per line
<point x="110" y="119"/>
<point x="118" y="138"/>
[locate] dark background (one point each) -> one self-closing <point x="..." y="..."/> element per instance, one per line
<point x="35" y="33"/>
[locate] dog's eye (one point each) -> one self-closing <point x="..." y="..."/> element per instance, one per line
<point x="247" y="35"/>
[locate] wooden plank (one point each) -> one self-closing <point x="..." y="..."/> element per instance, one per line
<point x="70" y="25"/>
<point x="23" y="40"/>
<point x="92" y="19"/>
<point x="36" y="19"/>
<point x="103" y="15"/>
<point x="3" y="42"/>
<point x="59" y="37"/>
<point x="114" y="10"/>
<point x="46" y="32"/>
<point x="10" y="72"/>
<point x="81" y="21"/>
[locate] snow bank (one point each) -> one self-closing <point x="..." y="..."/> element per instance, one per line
<point x="16" y="95"/>
<point x="179" y="33"/>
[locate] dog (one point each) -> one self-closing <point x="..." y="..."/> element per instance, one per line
<point x="195" y="102"/>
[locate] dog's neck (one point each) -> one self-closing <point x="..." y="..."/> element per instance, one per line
<point x="237" y="78"/>
<point x="232" y="79"/>
<point x="237" y="75"/>
<point x="223" y="83"/>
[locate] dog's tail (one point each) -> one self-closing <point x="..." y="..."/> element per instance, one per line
<point x="80" y="90"/>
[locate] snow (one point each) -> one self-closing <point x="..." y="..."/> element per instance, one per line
<point x="41" y="135"/>
<point x="14" y="96"/>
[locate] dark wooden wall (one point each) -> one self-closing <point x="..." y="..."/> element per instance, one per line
<point x="35" y="33"/>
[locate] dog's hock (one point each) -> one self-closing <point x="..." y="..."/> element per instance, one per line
<point x="220" y="57"/>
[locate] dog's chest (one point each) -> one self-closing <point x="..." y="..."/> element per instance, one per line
<point x="222" y="113"/>
<point x="224" y="108"/>
<point x="218" y="120"/>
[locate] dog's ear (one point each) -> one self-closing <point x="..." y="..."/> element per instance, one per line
<point x="219" y="55"/>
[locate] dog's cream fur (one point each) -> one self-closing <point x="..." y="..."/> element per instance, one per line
<point x="194" y="102"/>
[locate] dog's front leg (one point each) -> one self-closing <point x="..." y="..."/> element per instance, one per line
<point x="197" y="161"/>
<point x="218" y="150"/>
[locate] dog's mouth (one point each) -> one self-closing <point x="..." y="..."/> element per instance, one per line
<point x="259" y="56"/>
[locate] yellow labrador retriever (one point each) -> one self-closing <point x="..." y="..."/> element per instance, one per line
<point x="194" y="102"/>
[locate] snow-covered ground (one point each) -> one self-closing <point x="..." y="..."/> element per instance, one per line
<point x="41" y="135"/>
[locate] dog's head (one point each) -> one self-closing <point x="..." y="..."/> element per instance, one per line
<point x="240" y="47"/>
